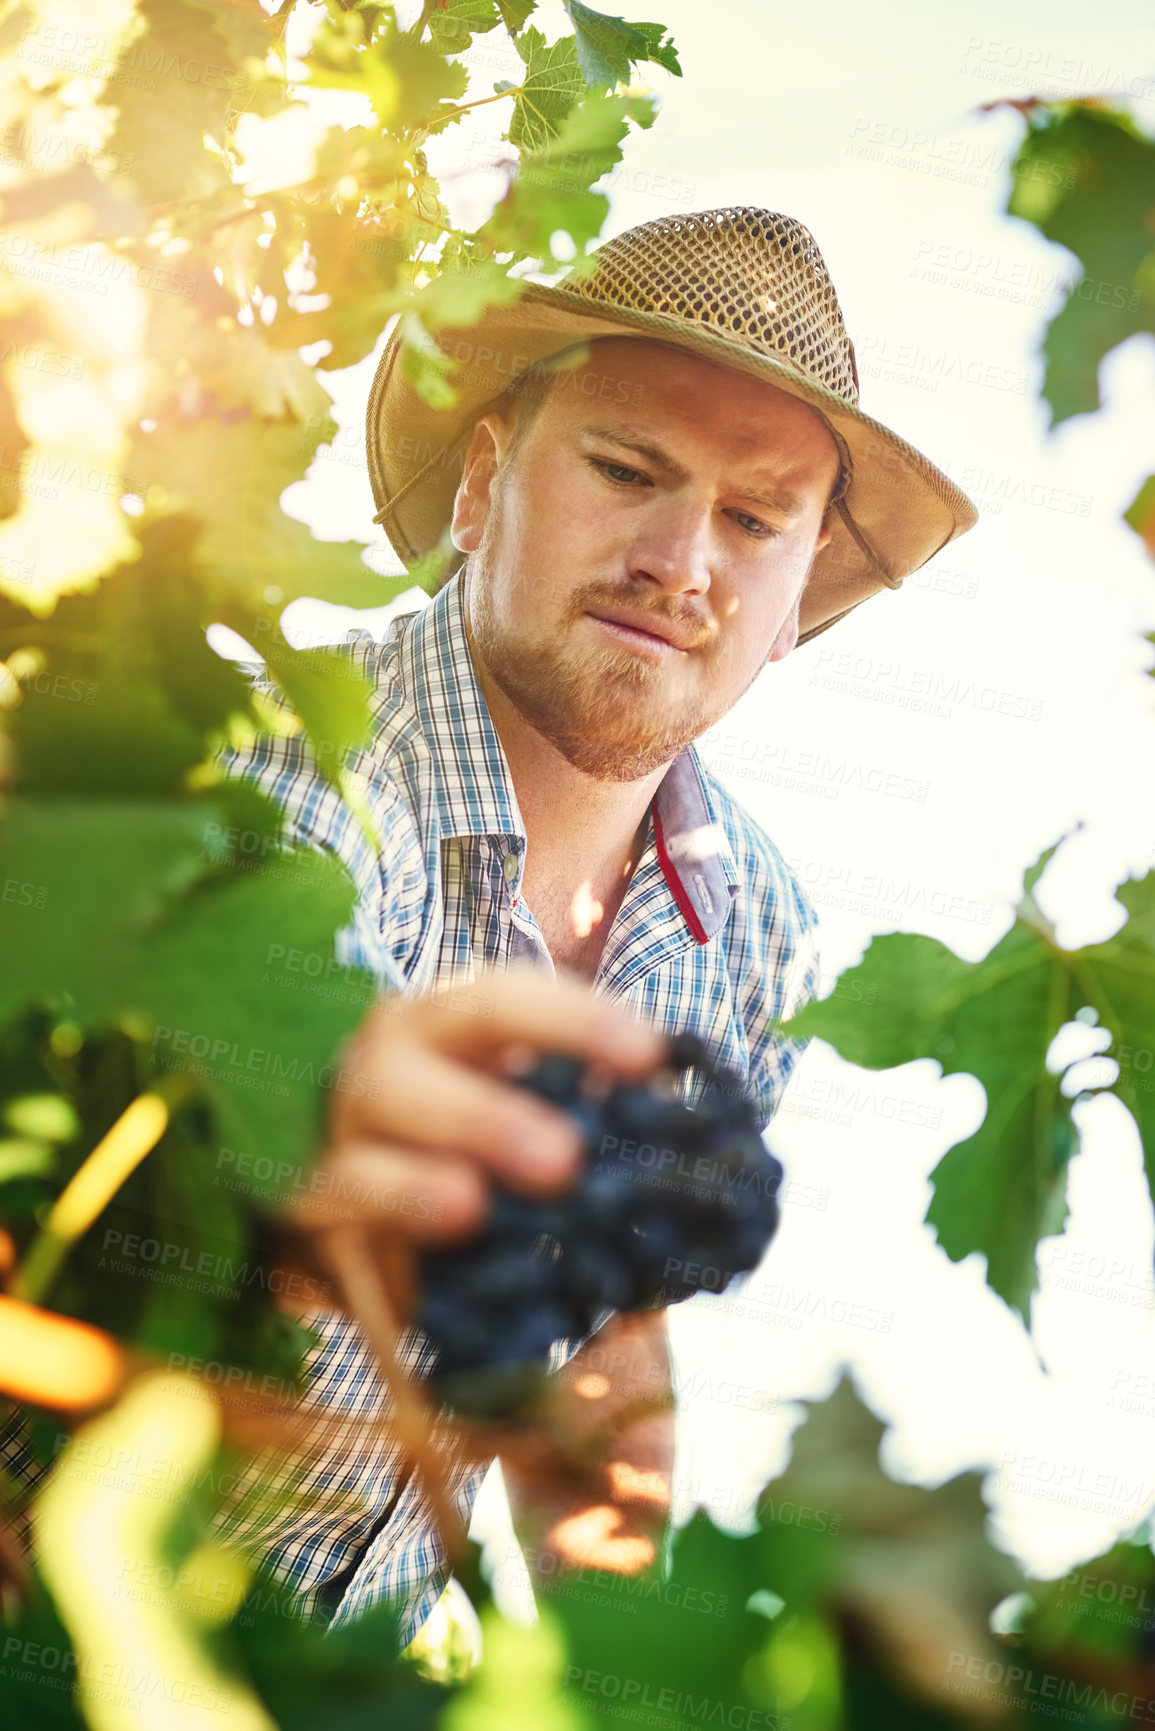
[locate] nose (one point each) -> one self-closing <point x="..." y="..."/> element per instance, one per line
<point x="673" y="544"/>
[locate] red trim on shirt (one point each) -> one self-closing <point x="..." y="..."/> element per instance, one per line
<point x="678" y="888"/>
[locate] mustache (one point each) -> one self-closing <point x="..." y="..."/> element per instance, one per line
<point x="687" y="619"/>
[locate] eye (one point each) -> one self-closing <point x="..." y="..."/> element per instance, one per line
<point x="619" y="473"/>
<point x="753" y="525"/>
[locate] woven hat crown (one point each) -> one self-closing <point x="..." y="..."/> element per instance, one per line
<point x="754" y="276"/>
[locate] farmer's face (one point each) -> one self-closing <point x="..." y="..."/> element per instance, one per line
<point x="639" y="554"/>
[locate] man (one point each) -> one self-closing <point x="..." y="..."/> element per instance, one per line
<point x="656" y="482"/>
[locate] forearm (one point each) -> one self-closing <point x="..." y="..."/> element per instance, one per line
<point x="601" y="1499"/>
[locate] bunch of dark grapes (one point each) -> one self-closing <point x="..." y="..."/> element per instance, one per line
<point x="669" y="1201"/>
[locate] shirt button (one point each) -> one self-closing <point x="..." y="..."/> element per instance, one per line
<point x="510" y="867"/>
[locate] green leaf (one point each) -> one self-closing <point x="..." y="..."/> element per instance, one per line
<point x="1085" y="177"/>
<point x="552" y="85"/>
<point x="1118" y="979"/>
<point x="94" y="879"/>
<point x="1140" y="514"/>
<point x="48" y="1117"/>
<point x="515" y="12"/>
<point x="230" y="477"/>
<point x="331" y="699"/>
<point x="683" y="1638"/>
<point x="23" y="1157"/>
<point x="457" y="298"/>
<point x="910" y="1571"/>
<point x="176" y="100"/>
<point x="122" y="692"/>
<point x="551" y="190"/>
<point x="453" y="25"/>
<point x="428" y="369"/>
<point x="128" y="915"/>
<point x="425" y="79"/>
<point x="1004" y="1188"/>
<point x="660" y="49"/>
<point x="605" y="45"/>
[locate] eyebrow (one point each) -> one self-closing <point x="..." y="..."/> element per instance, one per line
<point x="781" y="499"/>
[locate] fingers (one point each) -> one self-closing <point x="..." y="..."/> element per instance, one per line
<point x="371" y="1184"/>
<point x="434" y="1120"/>
<point x="523" y="1005"/>
<point x="429" y="1101"/>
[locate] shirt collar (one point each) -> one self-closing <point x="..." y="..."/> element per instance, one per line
<point x="474" y="789"/>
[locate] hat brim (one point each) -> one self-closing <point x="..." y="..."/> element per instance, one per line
<point x="896" y="513"/>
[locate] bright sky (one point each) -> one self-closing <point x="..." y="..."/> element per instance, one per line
<point x="867" y="129"/>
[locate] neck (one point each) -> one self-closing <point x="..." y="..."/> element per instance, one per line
<point x="584" y="835"/>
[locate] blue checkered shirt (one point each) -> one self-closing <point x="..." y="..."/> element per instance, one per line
<point x="714" y="934"/>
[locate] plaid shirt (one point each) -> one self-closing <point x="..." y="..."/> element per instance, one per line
<point x="714" y="934"/>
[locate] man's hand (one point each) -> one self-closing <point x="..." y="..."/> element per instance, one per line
<point x="432" y="1119"/>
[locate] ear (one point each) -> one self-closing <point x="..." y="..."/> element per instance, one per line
<point x="788" y="636"/>
<point x="487" y="451"/>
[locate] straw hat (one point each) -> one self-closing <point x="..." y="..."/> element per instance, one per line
<point x="746" y="288"/>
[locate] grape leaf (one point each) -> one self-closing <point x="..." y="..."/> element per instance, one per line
<point x="180" y="76"/>
<point x="1003" y="1188"/>
<point x="92" y="879"/>
<point x="331" y="699"/>
<point x="909" y="1569"/>
<point x="121" y="910"/>
<point x="453" y="25"/>
<point x="660" y="48"/>
<point x="605" y="45"/>
<point x="1086" y="178"/>
<point x="515" y="12"/>
<point x="551" y="191"/>
<point x="231" y="477"/>
<point x="1118" y="979"/>
<point x="122" y="693"/>
<point x="552" y="85"/>
<point x="608" y="46"/>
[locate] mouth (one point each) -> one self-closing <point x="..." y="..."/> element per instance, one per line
<point x="642" y="638"/>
